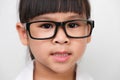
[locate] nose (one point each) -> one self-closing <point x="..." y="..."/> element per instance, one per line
<point x="61" y="37"/>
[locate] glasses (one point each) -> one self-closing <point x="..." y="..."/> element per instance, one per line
<point x="41" y="30"/>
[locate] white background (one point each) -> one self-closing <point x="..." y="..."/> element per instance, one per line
<point x="101" y="59"/>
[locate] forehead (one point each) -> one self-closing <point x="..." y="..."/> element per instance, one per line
<point x="59" y="16"/>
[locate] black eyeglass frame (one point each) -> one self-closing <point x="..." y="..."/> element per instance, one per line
<point x="62" y="24"/>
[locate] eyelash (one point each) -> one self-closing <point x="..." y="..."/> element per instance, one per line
<point x="46" y="26"/>
<point x="75" y="25"/>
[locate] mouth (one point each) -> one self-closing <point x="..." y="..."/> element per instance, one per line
<point x="61" y="56"/>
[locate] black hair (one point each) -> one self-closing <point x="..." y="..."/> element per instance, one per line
<point x="31" y="55"/>
<point x="29" y="9"/>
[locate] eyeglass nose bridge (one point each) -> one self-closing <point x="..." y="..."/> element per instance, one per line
<point x="58" y="24"/>
<point x="62" y="25"/>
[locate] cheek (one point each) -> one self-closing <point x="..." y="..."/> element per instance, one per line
<point x="39" y="49"/>
<point x="79" y="47"/>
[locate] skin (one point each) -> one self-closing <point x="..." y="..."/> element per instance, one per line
<point x="45" y="65"/>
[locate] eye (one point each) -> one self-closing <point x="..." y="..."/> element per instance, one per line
<point x="46" y="26"/>
<point x="73" y="25"/>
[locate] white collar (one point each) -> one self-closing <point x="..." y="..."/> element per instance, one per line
<point x="27" y="74"/>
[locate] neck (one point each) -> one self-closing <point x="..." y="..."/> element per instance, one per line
<point x="43" y="73"/>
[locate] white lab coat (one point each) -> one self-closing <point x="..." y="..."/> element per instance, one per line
<point x="27" y="74"/>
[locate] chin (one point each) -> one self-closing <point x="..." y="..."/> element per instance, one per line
<point x="62" y="69"/>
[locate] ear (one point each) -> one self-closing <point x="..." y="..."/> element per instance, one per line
<point x="22" y="33"/>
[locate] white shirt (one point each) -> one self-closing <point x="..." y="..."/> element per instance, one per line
<point x="27" y="74"/>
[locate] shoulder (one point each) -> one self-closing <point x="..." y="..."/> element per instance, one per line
<point x="27" y="73"/>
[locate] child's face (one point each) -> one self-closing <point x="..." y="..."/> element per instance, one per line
<point x="60" y="53"/>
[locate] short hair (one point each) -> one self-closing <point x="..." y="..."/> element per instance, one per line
<point x="29" y="9"/>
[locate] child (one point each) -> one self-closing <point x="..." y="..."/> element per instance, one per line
<point x="56" y="33"/>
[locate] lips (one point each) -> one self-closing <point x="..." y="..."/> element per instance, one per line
<point x="61" y="56"/>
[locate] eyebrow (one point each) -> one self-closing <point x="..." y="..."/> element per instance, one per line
<point x="76" y="16"/>
<point x="41" y="18"/>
